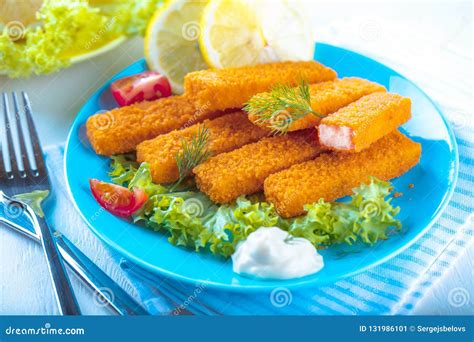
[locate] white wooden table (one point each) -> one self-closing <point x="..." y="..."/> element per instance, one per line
<point x="431" y="42"/>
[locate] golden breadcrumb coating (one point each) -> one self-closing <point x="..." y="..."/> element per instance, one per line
<point x="366" y="120"/>
<point x="328" y="97"/>
<point x="122" y="129"/>
<point x="226" y="133"/>
<point x="241" y="172"/>
<point x="231" y="87"/>
<point x="334" y="175"/>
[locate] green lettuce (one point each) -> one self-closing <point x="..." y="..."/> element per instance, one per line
<point x="232" y="223"/>
<point x="122" y="169"/>
<point x="188" y="216"/>
<point x="132" y="16"/>
<point x="192" y="220"/>
<point x="366" y="217"/>
<point x="68" y="28"/>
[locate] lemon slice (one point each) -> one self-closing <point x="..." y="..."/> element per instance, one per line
<point x="171" y="41"/>
<point x="243" y="32"/>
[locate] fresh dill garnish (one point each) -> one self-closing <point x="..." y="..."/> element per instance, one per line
<point x="193" y="153"/>
<point x="278" y="108"/>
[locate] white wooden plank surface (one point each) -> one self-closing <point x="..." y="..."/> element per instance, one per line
<point x="431" y="42"/>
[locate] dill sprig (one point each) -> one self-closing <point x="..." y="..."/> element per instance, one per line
<point x="193" y="153"/>
<point x="278" y="108"/>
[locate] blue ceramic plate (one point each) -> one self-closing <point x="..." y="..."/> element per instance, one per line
<point x="434" y="178"/>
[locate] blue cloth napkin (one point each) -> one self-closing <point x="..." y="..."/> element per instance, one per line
<point x="394" y="287"/>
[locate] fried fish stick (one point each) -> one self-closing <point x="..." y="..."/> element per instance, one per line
<point x="241" y="172"/>
<point x="358" y="125"/>
<point x="208" y="93"/>
<point x="226" y="133"/>
<point x="328" y="97"/>
<point x="334" y="175"/>
<point x="219" y="89"/>
<point x="121" y="130"/>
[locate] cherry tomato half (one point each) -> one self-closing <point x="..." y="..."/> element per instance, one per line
<point x="117" y="199"/>
<point x="145" y="86"/>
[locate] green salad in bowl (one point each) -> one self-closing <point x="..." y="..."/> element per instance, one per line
<point x="64" y="32"/>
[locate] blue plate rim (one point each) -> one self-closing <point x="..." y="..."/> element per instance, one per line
<point x="296" y="283"/>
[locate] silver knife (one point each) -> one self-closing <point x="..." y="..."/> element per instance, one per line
<point x="108" y="290"/>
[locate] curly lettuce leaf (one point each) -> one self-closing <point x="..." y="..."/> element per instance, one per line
<point x="189" y="217"/>
<point x="367" y="217"/>
<point x="142" y="180"/>
<point x="64" y="26"/>
<point x="169" y="212"/>
<point x="67" y="29"/>
<point x="377" y="214"/>
<point x="132" y="16"/>
<point x="122" y="169"/>
<point x="232" y="223"/>
<point x="192" y="220"/>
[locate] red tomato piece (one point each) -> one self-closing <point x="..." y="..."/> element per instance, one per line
<point x="117" y="199"/>
<point x="145" y="86"/>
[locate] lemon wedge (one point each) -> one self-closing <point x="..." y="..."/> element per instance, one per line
<point x="171" y="41"/>
<point x="243" y="32"/>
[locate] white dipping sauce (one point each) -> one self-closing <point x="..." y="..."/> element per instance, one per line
<point x="271" y="253"/>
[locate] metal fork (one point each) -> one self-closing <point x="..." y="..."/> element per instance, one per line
<point x="22" y="170"/>
<point x="106" y="289"/>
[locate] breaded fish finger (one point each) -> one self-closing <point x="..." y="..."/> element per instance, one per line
<point x="241" y="172"/>
<point x="121" y="130"/>
<point x="356" y="126"/>
<point x="334" y="175"/>
<point x="328" y="97"/>
<point x="219" y="89"/>
<point x="226" y="133"/>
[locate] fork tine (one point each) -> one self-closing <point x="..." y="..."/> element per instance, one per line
<point x="21" y="141"/>
<point x="9" y="154"/>
<point x="38" y="153"/>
